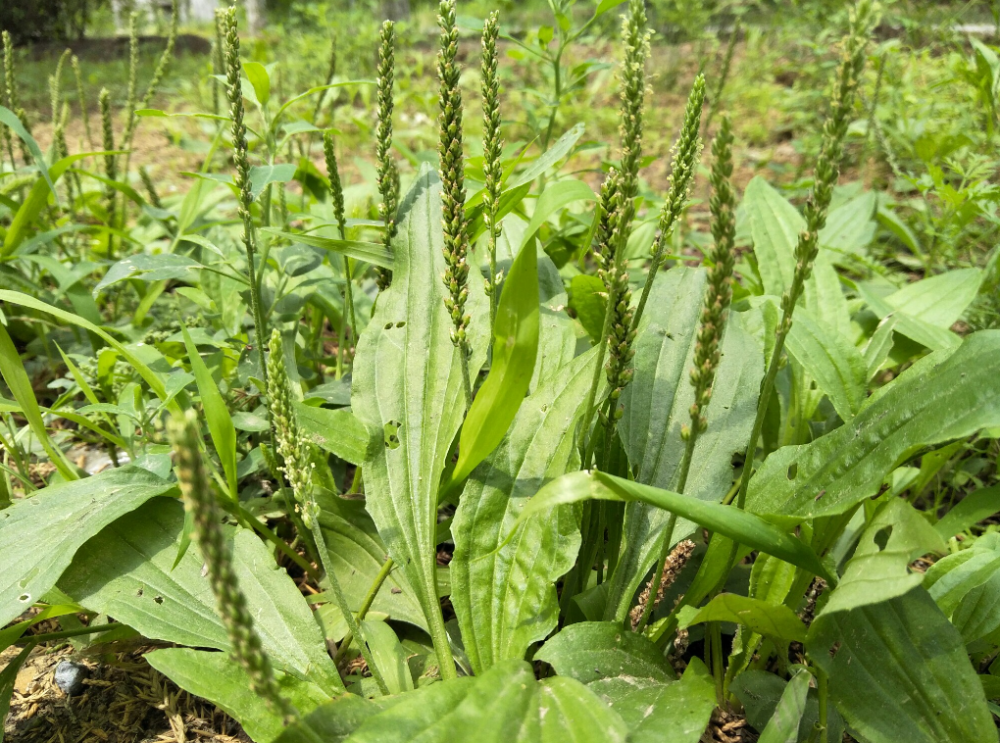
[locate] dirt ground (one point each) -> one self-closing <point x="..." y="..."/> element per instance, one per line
<point x="124" y="701"/>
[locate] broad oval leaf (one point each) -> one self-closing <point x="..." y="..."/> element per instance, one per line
<point x="948" y="395"/>
<point x="770" y="620"/>
<point x="504" y="596"/>
<point x="222" y="681"/>
<point x="901" y="655"/>
<point x="128" y="572"/>
<point x="40" y="535"/>
<point x="657" y="404"/>
<point x="408" y="380"/>
<point x="375" y="253"/>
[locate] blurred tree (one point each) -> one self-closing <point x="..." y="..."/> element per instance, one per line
<point x="45" y="20"/>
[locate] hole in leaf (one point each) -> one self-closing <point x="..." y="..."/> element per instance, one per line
<point x="401" y="324"/>
<point x="882" y="536"/>
<point x="24" y="598"/>
<point x="814" y="386"/>
<point x="388" y="326"/>
<point x="391" y="434"/>
<point x="158" y="599"/>
<point x="793" y="470"/>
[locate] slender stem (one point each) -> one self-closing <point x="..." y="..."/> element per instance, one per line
<point x="766" y="388"/>
<point x="68" y="633"/>
<point x="661" y="562"/>
<point x="373" y="590"/>
<point x="714" y="631"/>
<point x="439" y="637"/>
<point x="246" y="517"/>
<point x="822" y="689"/>
<point x="353" y="624"/>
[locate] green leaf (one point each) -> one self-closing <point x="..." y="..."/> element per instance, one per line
<point x="40" y="535"/>
<point x="740" y="526"/>
<point x="939" y="300"/>
<point x="220" y="423"/>
<point x="901" y="655"/>
<point x="605" y="5"/>
<point x="933" y="337"/>
<point x="358" y="554"/>
<point x="850" y="228"/>
<point x="505" y="596"/>
<point x="760" y="692"/>
<point x="950" y="579"/>
<point x="657" y="404"/>
<point x="969" y="511"/>
<point x="556" y="196"/>
<point x="879" y="568"/>
<point x="261" y="176"/>
<point x="678" y="712"/>
<point x="770" y="620"/>
<point x="337" y="431"/>
<point x="945" y="396"/>
<point x="334" y="721"/>
<point x="408" y="382"/>
<point x="784" y="724"/>
<point x="775" y="226"/>
<point x="833" y="361"/>
<point x="588" y="299"/>
<point x="389" y="655"/>
<point x="374" y="253"/>
<point x="541" y="165"/>
<point x="9" y="118"/>
<point x="37" y="198"/>
<point x="879" y="346"/>
<point x="128" y="571"/>
<point x="257" y="75"/>
<point x="223" y="682"/>
<point x="149" y="376"/>
<point x="609" y="660"/>
<point x="515" y="348"/>
<point x="20" y="386"/>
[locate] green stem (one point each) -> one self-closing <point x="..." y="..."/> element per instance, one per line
<point x="822" y="689"/>
<point x="367" y="603"/>
<point x="658" y="250"/>
<point x="353" y="624"/>
<point x="714" y="631"/>
<point x="261" y="528"/>
<point x="439" y="635"/>
<point x="68" y="633"/>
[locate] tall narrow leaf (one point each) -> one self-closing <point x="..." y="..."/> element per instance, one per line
<point x="515" y="348"/>
<point x="220" y="423"/>
<point x="408" y="386"/>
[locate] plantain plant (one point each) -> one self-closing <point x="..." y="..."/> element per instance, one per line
<point x="490" y="518"/>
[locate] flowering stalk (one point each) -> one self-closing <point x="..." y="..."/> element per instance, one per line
<point x="147" y="182"/>
<point x="863" y="19"/>
<point x="133" y="75"/>
<point x="687" y="152"/>
<point x="13" y="99"/>
<point x="242" y="177"/>
<point x="388" y="176"/>
<point x="296" y="464"/>
<point x="55" y="88"/>
<point x="81" y="99"/>
<point x="331" y="71"/>
<point x="246" y="646"/>
<point x="110" y="162"/>
<point x="337" y="196"/>
<point x="713" y="317"/>
<point x="617" y="209"/>
<point x="452" y="164"/>
<point x="492" y="149"/>
<point x="218" y="55"/>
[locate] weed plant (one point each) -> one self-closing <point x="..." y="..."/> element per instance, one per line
<point x="499" y="438"/>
